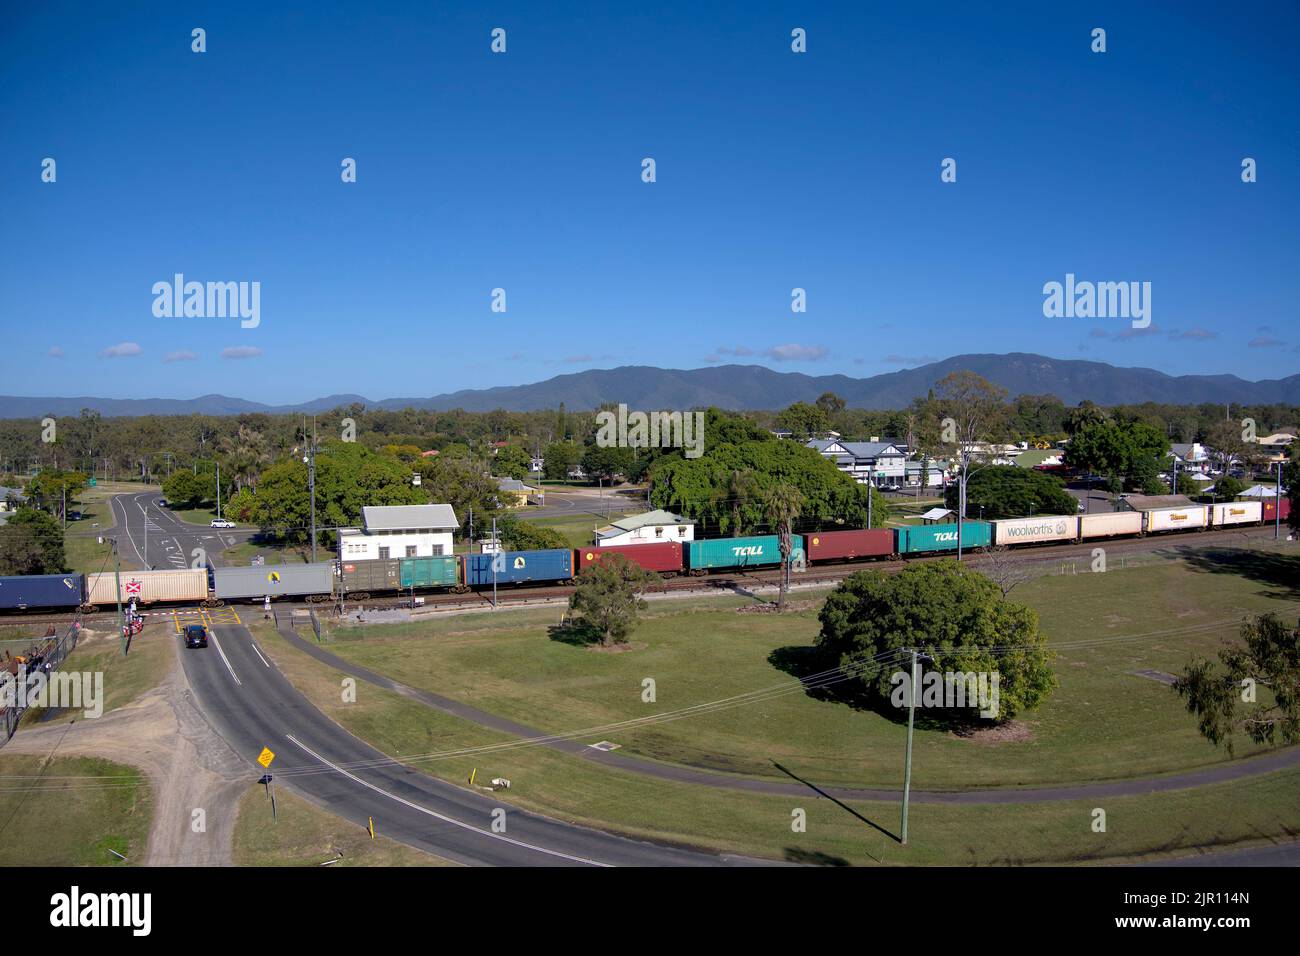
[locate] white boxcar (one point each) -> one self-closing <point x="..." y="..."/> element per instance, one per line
<point x="1029" y="530"/>
<point x="1109" y="523"/>
<point x="148" y="587"/>
<point x="278" y="580"/>
<point x="1175" y="519"/>
<point x="1236" y="512"/>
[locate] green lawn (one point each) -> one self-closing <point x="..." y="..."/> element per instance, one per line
<point x="1101" y="723"/>
<point x="578" y="529"/>
<point x="244" y="552"/>
<point x="71" y="811"/>
<point x="862" y="833"/>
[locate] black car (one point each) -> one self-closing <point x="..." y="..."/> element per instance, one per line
<point x="196" y="635"/>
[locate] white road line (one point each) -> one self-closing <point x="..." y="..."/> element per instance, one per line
<point x="217" y="644"/>
<point x="446" y="819"/>
<point x="126" y="525"/>
<point x="258" y="653"/>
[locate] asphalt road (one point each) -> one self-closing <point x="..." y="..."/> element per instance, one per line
<point x="156" y="538"/>
<point x="252" y="705"/>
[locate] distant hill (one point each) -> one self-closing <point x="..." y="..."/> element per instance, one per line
<point x="742" y="387"/>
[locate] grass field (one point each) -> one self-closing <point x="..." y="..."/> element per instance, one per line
<point x="302" y="834"/>
<point x="244" y="552"/>
<point x="98" y="806"/>
<point x="1103" y="722"/>
<point x="861" y="833"/>
<point x="577" y="529"/>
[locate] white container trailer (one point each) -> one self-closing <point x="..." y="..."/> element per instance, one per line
<point x="1236" y="512"/>
<point x="313" y="581"/>
<point x="1110" y="523"/>
<point x="1176" y="519"/>
<point x="1030" y="530"/>
<point x="182" y="585"/>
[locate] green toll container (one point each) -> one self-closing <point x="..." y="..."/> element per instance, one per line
<point x="740" y="552"/>
<point x="916" y="539"/>
<point x="436" y="572"/>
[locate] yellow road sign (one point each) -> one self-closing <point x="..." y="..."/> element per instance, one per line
<point x="265" y="757"/>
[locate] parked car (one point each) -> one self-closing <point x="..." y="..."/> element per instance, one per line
<point x="196" y="635"/>
<point x="221" y="523"/>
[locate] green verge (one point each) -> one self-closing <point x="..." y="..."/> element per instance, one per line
<point x="1104" y="722"/>
<point x="71" y="812"/>
<point x="302" y="834"/>
<point x="860" y="833"/>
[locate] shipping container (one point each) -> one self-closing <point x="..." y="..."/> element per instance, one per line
<point x="1271" y="509"/>
<point x="280" y="580"/>
<point x="1030" y="530"/>
<point x="435" y="572"/>
<point x="749" y="552"/>
<point x="147" y="587"/>
<point x="1236" y="512"/>
<point x="517" y="567"/>
<point x="943" y="537"/>
<point x="844" y="545"/>
<point x="1111" y="523"/>
<point x="18" y="592"/>
<point x="367" y="576"/>
<point x="662" y="556"/>
<point x="1175" y="519"/>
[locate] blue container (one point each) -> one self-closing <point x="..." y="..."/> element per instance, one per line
<point x="41" y="590"/>
<point x="516" y="567"/>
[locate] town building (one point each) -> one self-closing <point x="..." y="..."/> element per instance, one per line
<point x="883" y="463"/>
<point x="400" y="531"/>
<point x="1192" y="456"/>
<point x="647" y="528"/>
<point x="513" y="493"/>
<point x="1152" y="502"/>
<point x="11" y="498"/>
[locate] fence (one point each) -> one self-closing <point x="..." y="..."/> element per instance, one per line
<point x="45" y="655"/>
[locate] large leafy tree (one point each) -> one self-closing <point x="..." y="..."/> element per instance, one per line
<point x="948" y="609"/>
<point x="804" y="421"/>
<point x="1116" y="448"/>
<point x="187" y="490"/>
<point x="1009" y="491"/>
<point x="781" y="504"/>
<point x="512" y="462"/>
<point x="559" y="459"/>
<point x="1255" y="691"/>
<point x="608" y="597"/>
<point x="31" y="542"/>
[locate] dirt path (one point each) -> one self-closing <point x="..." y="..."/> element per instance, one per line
<point x="188" y="765"/>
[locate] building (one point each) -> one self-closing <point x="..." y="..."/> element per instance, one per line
<point x="1039" y="458"/>
<point x="8" y="495"/>
<point x="647" y="528"/>
<point x="881" y="462"/>
<point x="513" y="493"/>
<point x="934" y="473"/>
<point x="400" y="531"/>
<point x="1191" y="456"/>
<point x="1153" y="502"/>
<point x="938" y="516"/>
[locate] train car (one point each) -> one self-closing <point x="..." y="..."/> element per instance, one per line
<point x="928" y="538"/>
<point x="1175" y="519"/>
<point x="361" y="578"/>
<point x="519" y="567"/>
<point x="179" y="585"/>
<point x="1035" y="530"/>
<point x="1236" y="512"/>
<point x="1110" y="524"/>
<point x="31" y="591"/>
<point x="751" y="552"/>
<point x="312" y="581"/>
<point x="1271" y="506"/>
<point x="439" y="571"/>
<point x="664" y="557"/>
<point x="847" y="545"/>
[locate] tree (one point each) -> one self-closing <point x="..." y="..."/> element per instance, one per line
<point x="560" y="458"/>
<point x="512" y="462"/>
<point x="1009" y="491"/>
<point x="781" y="504"/>
<point x="604" y="464"/>
<point x="1226" y="445"/>
<point x="950" y="610"/>
<point x="1257" y="691"/>
<point x="804" y="421"/>
<point x="1228" y="487"/>
<point x="52" y="487"/>
<point x="187" y="490"/>
<point x="972" y="409"/>
<point x="1085" y="415"/>
<point x="732" y="499"/>
<point x="1114" y="449"/>
<point x="608" y="597"/>
<point x="1000" y="565"/>
<point x="831" y="404"/>
<point x="516" y="535"/>
<point x="31" y="542"/>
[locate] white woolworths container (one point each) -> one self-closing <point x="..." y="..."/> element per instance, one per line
<point x="1237" y="512"/>
<point x="1175" y="519"/>
<point x="1109" y="523"/>
<point x="148" y="587"/>
<point x="1028" y="530"/>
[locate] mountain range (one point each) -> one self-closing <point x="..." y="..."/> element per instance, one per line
<point x="740" y="387"/>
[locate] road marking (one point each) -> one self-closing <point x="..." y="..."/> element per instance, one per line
<point x="253" y="644"/>
<point x="217" y="644"/>
<point x="126" y="525"/>
<point x="446" y="819"/>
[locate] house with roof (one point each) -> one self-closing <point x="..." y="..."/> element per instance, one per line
<point x="513" y="493"/>
<point x="1192" y="456"/>
<point x="1152" y="502"/>
<point x="399" y="531"/>
<point x="649" y="527"/>
<point x="883" y="463"/>
<point x="11" y="499"/>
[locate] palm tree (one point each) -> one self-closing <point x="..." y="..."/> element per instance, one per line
<point x="782" y="504"/>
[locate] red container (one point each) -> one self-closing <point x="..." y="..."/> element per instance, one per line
<point x="1270" y="509"/>
<point x="659" y="556"/>
<point x="839" y="545"/>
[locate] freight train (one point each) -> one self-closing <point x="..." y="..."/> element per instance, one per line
<point x="359" y="580"/>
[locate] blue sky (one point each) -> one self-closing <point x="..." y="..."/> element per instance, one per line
<point x="522" y="171"/>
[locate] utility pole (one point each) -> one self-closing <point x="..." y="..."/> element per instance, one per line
<point x="1277" y="507"/>
<point x="311" y="484"/>
<point x="961" y="507"/>
<point x="218" y="488"/>
<point x="470" y="549"/>
<point x="117" y="582"/>
<point x="870" y="495"/>
<point x="911" y="721"/>
<point x="496" y="552"/>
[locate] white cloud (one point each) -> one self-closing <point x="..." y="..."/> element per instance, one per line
<point x="121" y="350"/>
<point x="241" y="352"/>
<point x="55" y="352"/>
<point x="794" y="352"/>
<point x="184" y="355"/>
